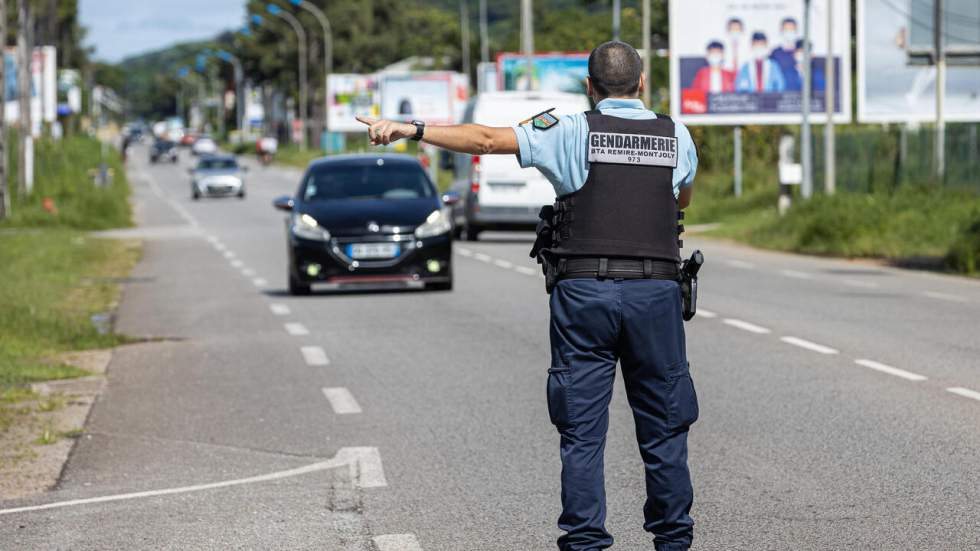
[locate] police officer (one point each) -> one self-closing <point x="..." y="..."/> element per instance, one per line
<point x="621" y="174"/>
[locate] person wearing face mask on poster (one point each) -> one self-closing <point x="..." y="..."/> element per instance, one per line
<point x="817" y="77"/>
<point x="735" y="44"/>
<point x="714" y="78"/>
<point x="784" y="55"/>
<point x="760" y="74"/>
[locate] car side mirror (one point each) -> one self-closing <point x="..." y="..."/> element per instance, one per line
<point x="283" y="202"/>
<point x="450" y="198"/>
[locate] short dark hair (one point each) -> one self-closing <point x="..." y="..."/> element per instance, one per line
<point x="615" y="68"/>
<point x="759" y="36"/>
<point x="733" y="21"/>
<point x="789" y="20"/>
<point x="715" y="45"/>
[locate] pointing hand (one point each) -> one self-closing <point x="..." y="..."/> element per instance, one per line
<point x="383" y="132"/>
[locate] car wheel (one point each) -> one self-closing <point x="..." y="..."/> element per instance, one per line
<point x="241" y="194"/>
<point x="457" y="231"/>
<point x="297" y="287"/>
<point x="472" y="231"/>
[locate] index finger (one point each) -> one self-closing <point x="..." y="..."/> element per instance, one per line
<point x="366" y="120"/>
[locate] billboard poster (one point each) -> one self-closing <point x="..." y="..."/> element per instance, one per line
<point x="553" y="72"/>
<point x="740" y="61"/>
<point x="436" y="97"/>
<point x="44" y="86"/>
<point x="890" y="88"/>
<point x="351" y="95"/>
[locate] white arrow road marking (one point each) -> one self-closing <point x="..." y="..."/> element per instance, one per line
<point x="341" y="400"/>
<point x="279" y="309"/>
<point x="397" y="542"/>
<point x="746" y="326"/>
<point x="296" y="329"/>
<point x="314" y="355"/>
<point x="957" y="390"/>
<point x="364" y="462"/>
<point x="796" y="341"/>
<point x="871" y="364"/>
<point x="705" y="313"/>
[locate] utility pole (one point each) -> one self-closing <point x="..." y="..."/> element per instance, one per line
<point x="617" y="10"/>
<point x="830" y="156"/>
<point x="484" y="34"/>
<point x="464" y="35"/>
<point x="645" y="13"/>
<point x="527" y="40"/>
<point x="25" y="153"/>
<point x="321" y="18"/>
<point x="301" y="46"/>
<point x="938" y="38"/>
<point x="805" y="145"/>
<point x="4" y="190"/>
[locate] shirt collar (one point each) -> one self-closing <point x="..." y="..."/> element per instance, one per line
<point x="620" y="103"/>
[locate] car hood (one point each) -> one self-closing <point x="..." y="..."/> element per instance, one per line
<point x="352" y="217"/>
<point x="216" y="172"/>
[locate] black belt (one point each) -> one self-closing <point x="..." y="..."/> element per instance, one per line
<point x="617" y="268"/>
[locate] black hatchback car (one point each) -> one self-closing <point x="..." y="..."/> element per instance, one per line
<point x="367" y="219"/>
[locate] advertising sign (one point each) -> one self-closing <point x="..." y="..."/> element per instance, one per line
<point x="892" y="89"/>
<point x="740" y="61"/>
<point x="435" y="97"/>
<point x="554" y="72"/>
<point x="351" y="95"/>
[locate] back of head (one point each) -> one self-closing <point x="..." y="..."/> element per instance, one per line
<point x="615" y="68"/>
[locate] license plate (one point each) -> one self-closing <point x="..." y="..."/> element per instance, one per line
<point x="360" y="251"/>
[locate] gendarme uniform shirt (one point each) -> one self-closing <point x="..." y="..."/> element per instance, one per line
<point x="560" y="154"/>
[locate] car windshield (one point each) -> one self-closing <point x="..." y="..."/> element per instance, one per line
<point x="380" y="181"/>
<point x="217" y="164"/>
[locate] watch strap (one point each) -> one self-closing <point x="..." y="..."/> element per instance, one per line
<point x="419" y="130"/>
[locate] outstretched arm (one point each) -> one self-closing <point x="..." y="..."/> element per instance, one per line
<point x="474" y="139"/>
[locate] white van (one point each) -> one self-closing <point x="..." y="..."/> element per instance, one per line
<point x="495" y="193"/>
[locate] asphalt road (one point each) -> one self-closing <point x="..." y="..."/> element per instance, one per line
<point x="840" y="403"/>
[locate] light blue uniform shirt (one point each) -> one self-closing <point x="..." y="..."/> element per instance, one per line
<point x="560" y="154"/>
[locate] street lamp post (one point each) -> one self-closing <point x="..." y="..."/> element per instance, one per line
<point x="301" y="46"/>
<point x="327" y="45"/>
<point x="236" y="64"/>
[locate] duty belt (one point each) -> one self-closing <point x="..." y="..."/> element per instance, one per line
<point x="616" y="268"/>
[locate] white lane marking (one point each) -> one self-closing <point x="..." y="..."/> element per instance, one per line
<point x="526" y="271"/>
<point x="296" y="329"/>
<point x="741" y="264"/>
<point x="503" y="264"/>
<point x="482" y="257"/>
<point x="237" y="263"/>
<point x="746" y="326"/>
<point x="248" y="272"/>
<point x="356" y="458"/>
<point x="259" y="282"/>
<point x="965" y="392"/>
<point x="706" y="313"/>
<point x="858" y="283"/>
<point x="397" y="542"/>
<point x="796" y="274"/>
<point x="313" y="355"/>
<point x="944" y="296"/>
<point x="877" y="366"/>
<point x="182" y="212"/>
<point x="341" y="400"/>
<point x="212" y="239"/>
<point x="219" y="246"/>
<point x="796" y="341"/>
<point x="229" y="255"/>
<point x="279" y="309"/>
<point x="464" y="252"/>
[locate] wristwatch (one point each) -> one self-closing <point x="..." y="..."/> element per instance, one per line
<point x="419" y="130"/>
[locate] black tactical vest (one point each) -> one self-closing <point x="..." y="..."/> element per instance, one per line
<point x="626" y="208"/>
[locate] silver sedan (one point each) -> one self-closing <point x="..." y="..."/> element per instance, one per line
<point x="218" y="176"/>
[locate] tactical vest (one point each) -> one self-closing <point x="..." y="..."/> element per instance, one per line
<point x="626" y="208"/>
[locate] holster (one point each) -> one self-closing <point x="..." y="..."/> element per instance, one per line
<point x="543" y="242"/>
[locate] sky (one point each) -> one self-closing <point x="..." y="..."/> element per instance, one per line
<point x="121" y="28"/>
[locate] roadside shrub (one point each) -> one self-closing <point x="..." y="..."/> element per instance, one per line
<point x="964" y="254"/>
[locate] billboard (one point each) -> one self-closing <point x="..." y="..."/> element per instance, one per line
<point x="351" y="95"/>
<point x="740" y="61"/>
<point x="437" y="97"/>
<point x="553" y="72"/>
<point x="893" y="89"/>
<point x="44" y="86"/>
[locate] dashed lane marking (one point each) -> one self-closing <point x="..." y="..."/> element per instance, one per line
<point x="944" y="296"/>
<point x="296" y="329"/>
<point x="229" y="255"/>
<point x="861" y="284"/>
<point x="259" y="282"/>
<point x="482" y="257"/>
<point x="746" y="326"/>
<point x="526" y="271"/>
<point x="397" y="542"/>
<point x="707" y="314"/>
<point x="812" y="346"/>
<point x="464" y="252"/>
<point x="237" y="263"/>
<point x="965" y="392"/>
<point x="878" y="366"/>
<point x="796" y="274"/>
<point x="313" y="355"/>
<point x="248" y="272"/>
<point x="341" y="400"/>
<point x="279" y="309"/>
<point x="740" y="264"/>
<point x="503" y="264"/>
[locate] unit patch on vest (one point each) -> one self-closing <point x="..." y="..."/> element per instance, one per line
<point x="542" y="121"/>
<point x="632" y="149"/>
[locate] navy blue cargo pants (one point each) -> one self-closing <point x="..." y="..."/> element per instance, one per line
<point x="594" y="324"/>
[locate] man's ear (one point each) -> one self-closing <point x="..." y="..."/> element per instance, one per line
<point x="589" y="90"/>
<point x="643" y="84"/>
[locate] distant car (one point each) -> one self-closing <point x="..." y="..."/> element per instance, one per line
<point x="163" y="150"/>
<point x="367" y="219"/>
<point x="494" y="192"/>
<point x="217" y="176"/>
<point x="204" y="145"/>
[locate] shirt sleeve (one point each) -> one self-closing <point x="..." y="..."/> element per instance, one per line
<point x="549" y="150"/>
<point x="687" y="162"/>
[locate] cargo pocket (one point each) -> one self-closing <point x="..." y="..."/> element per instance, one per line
<point x="682" y="400"/>
<point x="559" y="381"/>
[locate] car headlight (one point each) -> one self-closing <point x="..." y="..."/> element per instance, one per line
<point x="305" y="226"/>
<point x="437" y="223"/>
